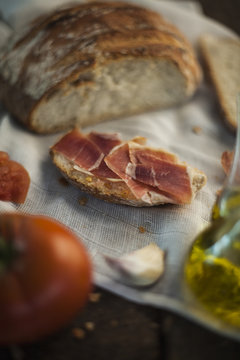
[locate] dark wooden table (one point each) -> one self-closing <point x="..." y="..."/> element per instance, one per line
<point x="113" y="328"/>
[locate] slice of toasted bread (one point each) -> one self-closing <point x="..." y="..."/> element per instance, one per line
<point x="117" y="191"/>
<point x="125" y="172"/>
<point x="222" y="57"/>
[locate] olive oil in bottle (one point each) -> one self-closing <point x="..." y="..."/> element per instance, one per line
<point x="212" y="269"/>
<point x="228" y="203"/>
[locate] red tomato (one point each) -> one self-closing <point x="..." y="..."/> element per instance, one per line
<point x="45" y="277"/>
<point x="14" y="180"/>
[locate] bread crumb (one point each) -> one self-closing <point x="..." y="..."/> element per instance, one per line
<point x="108" y="185"/>
<point x="124" y="194"/>
<point x="63" y="181"/>
<point x="78" y="333"/>
<point x="94" y="297"/>
<point x="83" y="201"/>
<point x="89" y="179"/>
<point x="142" y="229"/>
<point x="89" y="325"/>
<point x="197" y="130"/>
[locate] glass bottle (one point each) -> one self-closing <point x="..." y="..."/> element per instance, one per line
<point x="212" y="268"/>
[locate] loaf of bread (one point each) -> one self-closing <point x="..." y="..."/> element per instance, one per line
<point x="222" y="57"/>
<point x="93" y="62"/>
<point x="125" y="172"/>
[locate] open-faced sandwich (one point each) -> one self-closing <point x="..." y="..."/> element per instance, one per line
<point x="125" y="172"/>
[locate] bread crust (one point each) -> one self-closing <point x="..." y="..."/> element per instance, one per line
<point x="221" y="56"/>
<point x="69" y="45"/>
<point x="115" y="192"/>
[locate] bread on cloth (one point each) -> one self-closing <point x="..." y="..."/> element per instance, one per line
<point x="125" y="172"/>
<point x="222" y="58"/>
<point x="93" y="62"/>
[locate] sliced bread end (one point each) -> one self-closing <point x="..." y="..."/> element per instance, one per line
<point x="222" y="58"/>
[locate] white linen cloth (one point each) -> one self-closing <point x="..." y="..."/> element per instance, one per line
<point x="114" y="229"/>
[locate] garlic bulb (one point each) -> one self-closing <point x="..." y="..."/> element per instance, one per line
<point x="141" y="267"/>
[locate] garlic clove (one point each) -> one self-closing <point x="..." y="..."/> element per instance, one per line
<point x="141" y="267"/>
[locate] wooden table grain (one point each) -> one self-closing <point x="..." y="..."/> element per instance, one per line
<point x="113" y="328"/>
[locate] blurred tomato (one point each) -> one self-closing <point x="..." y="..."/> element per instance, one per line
<point x="45" y="277"/>
<point x="14" y="180"/>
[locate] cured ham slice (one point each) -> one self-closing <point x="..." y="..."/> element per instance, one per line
<point x="88" y="151"/>
<point x="126" y="172"/>
<point x="14" y="180"/>
<point x="144" y="155"/>
<point x="161" y="169"/>
<point x="104" y="172"/>
<point x="169" y="177"/>
<point x="117" y="161"/>
<point x="105" y="141"/>
<point x="79" y="149"/>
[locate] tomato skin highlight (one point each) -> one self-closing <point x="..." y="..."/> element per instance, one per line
<point x="46" y="283"/>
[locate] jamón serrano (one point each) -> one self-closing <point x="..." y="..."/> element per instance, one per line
<point x="127" y="172"/>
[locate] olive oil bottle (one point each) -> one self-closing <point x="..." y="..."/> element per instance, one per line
<point x="212" y="268"/>
<point x="227" y="203"/>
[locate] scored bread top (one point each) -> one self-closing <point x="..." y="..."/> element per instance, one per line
<point x="68" y="42"/>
